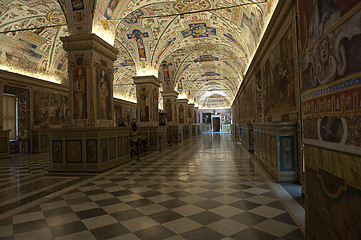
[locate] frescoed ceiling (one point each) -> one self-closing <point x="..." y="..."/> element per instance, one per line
<point x="37" y="52"/>
<point x="207" y="45"/>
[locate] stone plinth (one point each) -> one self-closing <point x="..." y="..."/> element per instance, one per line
<point x="88" y="149"/>
<point x="247" y="135"/>
<point x="156" y="136"/>
<point x="40" y="140"/>
<point x="275" y="146"/>
<point x="175" y="134"/>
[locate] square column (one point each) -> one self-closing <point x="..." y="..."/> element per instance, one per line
<point x="192" y="129"/>
<point x="175" y="131"/>
<point x="190" y="113"/>
<point x="182" y="108"/>
<point x="147" y="114"/>
<point x="90" y="64"/>
<point x="147" y="100"/>
<point x="196" y="126"/>
<point x="170" y="107"/>
<point x="182" y="111"/>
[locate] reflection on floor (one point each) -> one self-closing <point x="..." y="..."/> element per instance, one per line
<point x="204" y="188"/>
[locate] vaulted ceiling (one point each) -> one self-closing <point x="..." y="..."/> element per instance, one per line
<point x="201" y="47"/>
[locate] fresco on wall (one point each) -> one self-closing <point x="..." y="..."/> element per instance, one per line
<point x="279" y="77"/>
<point x="332" y="66"/>
<point x="334" y="211"/>
<point x="168" y="110"/>
<point x="50" y="109"/>
<point x="118" y="115"/>
<point x="79" y="90"/>
<point x="317" y="17"/>
<point x="144" y="104"/>
<point x="103" y="78"/>
<point x="259" y="95"/>
<point x="155" y="104"/>
<point x="181" y="113"/>
<point x="330" y="63"/>
<point x="334" y="56"/>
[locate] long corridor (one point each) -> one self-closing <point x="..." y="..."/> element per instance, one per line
<point x="204" y="188"/>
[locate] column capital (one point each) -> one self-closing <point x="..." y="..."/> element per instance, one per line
<point x="182" y="100"/>
<point x="168" y="94"/>
<point x="191" y="105"/>
<point x="89" y="41"/>
<point x="146" y="80"/>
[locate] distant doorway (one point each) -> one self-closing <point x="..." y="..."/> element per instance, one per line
<point x="216" y="124"/>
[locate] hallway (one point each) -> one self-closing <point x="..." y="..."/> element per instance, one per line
<point x="203" y="188"/>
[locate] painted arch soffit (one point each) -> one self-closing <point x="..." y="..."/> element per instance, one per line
<point x="36" y="52"/>
<point x="150" y="40"/>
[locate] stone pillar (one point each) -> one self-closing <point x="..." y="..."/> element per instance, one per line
<point x="170" y="107"/>
<point x="192" y="127"/>
<point x="195" y="115"/>
<point x="182" y="115"/>
<point x="91" y="77"/>
<point x="190" y="114"/>
<point x="92" y="143"/>
<point x="196" y="121"/>
<point x="147" y="100"/>
<point x="175" y="131"/>
<point x="147" y="114"/>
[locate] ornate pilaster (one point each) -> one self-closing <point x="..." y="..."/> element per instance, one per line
<point x="182" y="115"/>
<point x="190" y="113"/>
<point x="170" y="107"/>
<point x="147" y="100"/>
<point x="90" y="80"/>
<point x="182" y="108"/>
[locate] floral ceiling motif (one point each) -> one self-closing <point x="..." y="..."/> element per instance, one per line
<point x="206" y="52"/>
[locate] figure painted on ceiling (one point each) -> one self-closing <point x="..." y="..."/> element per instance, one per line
<point x="77" y="5"/>
<point x="166" y="73"/>
<point x="138" y="36"/>
<point x="109" y="11"/>
<point x="180" y="86"/>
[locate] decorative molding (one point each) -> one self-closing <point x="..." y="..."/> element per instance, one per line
<point x="81" y="42"/>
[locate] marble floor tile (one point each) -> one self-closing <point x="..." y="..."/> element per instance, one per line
<point x="202" y="188"/>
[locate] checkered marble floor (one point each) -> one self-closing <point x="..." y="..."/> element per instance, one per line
<point x="203" y="188"/>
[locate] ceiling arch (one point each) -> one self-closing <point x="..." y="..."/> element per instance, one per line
<point x="194" y="38"/>
<point x="38" y="51"/>
<point x="230" y="35"/>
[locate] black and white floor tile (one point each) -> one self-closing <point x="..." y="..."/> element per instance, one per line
<point x="203" y="188"/>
